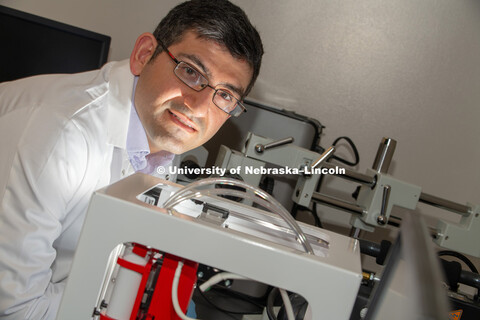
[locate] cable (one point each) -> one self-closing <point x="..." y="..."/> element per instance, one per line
<point x="354" y="149"/>
<point x="288" y="304"/>
<point x="313" y="211"/>
<point x="270" y="301"/>
<point x="319" y="149"/>
<point x="216" y="279"/>
<point x="464" y="259"/>
<point x="220" y="277"/>
<point x="459" y="256"/>
<point x="176" y="305"/>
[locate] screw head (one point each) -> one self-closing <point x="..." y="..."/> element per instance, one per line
<point x="381" y="220"/>
<point x="259" y="148"/>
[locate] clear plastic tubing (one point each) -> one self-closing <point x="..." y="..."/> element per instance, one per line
<point x="265" y="200"/>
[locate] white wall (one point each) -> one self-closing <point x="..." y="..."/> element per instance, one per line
<point x="406" y="69"/>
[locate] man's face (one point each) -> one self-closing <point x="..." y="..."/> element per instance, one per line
<point x="177" y="118"/>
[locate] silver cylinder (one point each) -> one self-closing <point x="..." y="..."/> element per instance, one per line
<point x="384" y="155"/>
<point x="327" y="154"/>
<point x="337" y="203"/>
<point x="445" y="204"/>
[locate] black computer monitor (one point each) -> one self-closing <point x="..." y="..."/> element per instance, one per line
<point x="33" y="45"/>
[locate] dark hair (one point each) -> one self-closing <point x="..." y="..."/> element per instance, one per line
<point x="217" y="20"/>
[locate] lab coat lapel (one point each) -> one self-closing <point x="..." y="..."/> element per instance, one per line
<point x="120" y="81"/>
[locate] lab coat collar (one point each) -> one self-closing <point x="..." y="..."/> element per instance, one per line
<point x="119" y="101"/>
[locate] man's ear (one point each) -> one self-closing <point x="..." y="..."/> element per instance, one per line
<point x="142" y="52"/>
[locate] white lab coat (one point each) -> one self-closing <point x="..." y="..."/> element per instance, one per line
<point x="57" y="137"/>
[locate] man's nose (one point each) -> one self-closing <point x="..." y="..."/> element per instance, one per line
<point x="199" y="102"/>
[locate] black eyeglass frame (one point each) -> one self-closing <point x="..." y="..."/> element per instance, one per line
<point x="239" y="107"/>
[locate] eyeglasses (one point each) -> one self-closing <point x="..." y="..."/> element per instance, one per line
<point x="197" y="81"/>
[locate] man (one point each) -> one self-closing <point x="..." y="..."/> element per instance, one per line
<point x="64" y="136"/>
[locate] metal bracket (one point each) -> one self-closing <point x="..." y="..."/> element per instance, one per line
<point x="463" y="236"/>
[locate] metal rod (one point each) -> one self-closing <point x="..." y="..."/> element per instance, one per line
<point x="260" y="147"/>
<point x="353" y="175"/>
<point x="355" y="232"/>
<point x="382" y="218"/>
<point x="327" y="154"/>
<point x="384" y="155"/>
<point x="337" y="203"/>
<point x="429" y="199"/>
<point x="445" y="204"/>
